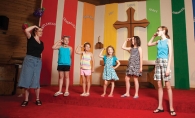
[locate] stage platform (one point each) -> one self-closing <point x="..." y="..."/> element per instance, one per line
<point x="183" y="99"/>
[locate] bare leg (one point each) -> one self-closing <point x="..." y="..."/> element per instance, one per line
<point x="136" y="86"/>
<point x="84" y="84"/>
<point x="104" y="88"/>
<point x="112" y="89"/>
<point x="61" y="78"/>
<point x="127" y="78"/>
<point x="26" y="91"/>
<point x="169" y="90"/>
<point x="88" y="83"/>
<point x="37" y="91"/>
<point x="160" y="96"/>
<point x="67" y="81"/>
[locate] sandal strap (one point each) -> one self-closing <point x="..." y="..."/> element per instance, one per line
<point x="24" y="103"/>
<point x="38" y="102"/>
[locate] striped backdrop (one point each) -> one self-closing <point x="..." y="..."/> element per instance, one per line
<point x="85" y="23"/>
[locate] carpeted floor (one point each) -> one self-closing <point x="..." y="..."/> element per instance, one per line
<point x="96" y="106"/>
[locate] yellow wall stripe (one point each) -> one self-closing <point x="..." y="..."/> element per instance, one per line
<point x="110" y="33"/>
<point x="88" y="26"/>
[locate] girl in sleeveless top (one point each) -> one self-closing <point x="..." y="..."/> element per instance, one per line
<point x="64" y="63"/>
<point x="110" y="64"/>
<point x="85" y="67"/>
<point x="134" y="68"/>
<point x="162" y="67"/>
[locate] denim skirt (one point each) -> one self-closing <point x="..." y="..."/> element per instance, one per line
<point x="30" y="73"/>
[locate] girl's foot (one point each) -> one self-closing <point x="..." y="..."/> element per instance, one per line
<point x="57" y="94"/>
<point x="158" y="110"/>
<point x="103" y="95"/>
<point x="125" y="95"/>
<point x="24" y="103"/>
<point x="135" y="97"/>
<point x="38" y="102"/>
<point x="110" y="95"/>
<point x="173" y="113"/>
<point x="87" y="94"/>
<point x="66" y="94"/>
<point x="83" y="94"/>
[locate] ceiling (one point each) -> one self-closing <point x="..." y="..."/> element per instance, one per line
<point x="102" y="2"/>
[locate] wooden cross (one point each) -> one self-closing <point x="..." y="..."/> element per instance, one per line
<point x="130" y="24"/>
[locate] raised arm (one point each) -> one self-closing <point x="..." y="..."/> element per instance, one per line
<point x="124" y="47"/>
<point x="141" y="58"/>
<point x="57" y="45"/>
<point x="170" y="57"/>
<point x="151" y="43"/>
<point x="77" y="51"/>
<point x="100" y="55"/>
<point x="28" y="30"/>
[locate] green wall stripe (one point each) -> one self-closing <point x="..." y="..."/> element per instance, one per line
<point x="180" y="45"/>
<point x="153" y="16"/>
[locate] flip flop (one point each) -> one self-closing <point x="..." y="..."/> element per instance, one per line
<point x="135" y="97"/>
<point x="173" y="113"/>
<point x="158" y="111"/>
<point x="123" y="96"/>
<point x="66" y="94"/>
<point x="57" y="93"/>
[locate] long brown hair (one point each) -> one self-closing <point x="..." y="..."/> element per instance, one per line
<point x="137" y="41"/>
<point x="113" y="54"/>
<point x="166" y="31"/>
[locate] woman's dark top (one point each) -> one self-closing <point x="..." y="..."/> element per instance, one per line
<point x="34" y="48"/>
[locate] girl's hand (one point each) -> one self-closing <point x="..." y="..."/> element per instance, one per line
<point x="140" y="70"/>
<point x="128" y="39"/>
<point x="81" y="46"/>
<point x="113" y="67"/>
<point x="92" y="70"/>
<point x="167" y="72"/>
<point x="155" y="34"/>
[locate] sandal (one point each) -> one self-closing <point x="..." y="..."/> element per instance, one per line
<point x="173" y="113"/>
<point x="38" y="102"/>
<point x="24" y="103"/>
<point x="135" y="97"/>
<point x="57" y="93"/>
<point x="158" y="111"/>
<point x="123" y="96"/>
<point x="66" y="94"/>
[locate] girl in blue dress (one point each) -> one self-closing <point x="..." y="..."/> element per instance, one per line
<point x="110" y="64"/>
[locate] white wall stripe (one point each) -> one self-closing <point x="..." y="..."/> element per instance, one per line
<point x="141" y="10"/>
<point x="79" y="22"/>
<point x="166" y="20"/>
<point x="98" y="31"/>
<point x="58" y="34"/>
<point x="190" y="41"/>
<point x="121" y="33"/>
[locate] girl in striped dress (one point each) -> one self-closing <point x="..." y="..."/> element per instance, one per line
<point x="85" y="67"/>
<point x="110" y="64"/>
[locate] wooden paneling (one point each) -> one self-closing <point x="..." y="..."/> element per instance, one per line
<point x="13" y="40"/>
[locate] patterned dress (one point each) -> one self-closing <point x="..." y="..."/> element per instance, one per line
<point x="133" y="67"/>
<point x="109" y="73"/>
